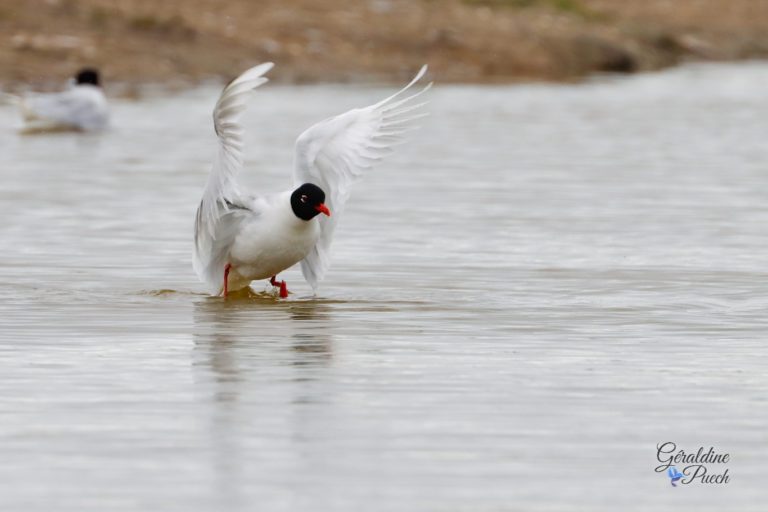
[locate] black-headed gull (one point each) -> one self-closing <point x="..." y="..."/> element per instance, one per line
<point x="81" y="107"/>
<point x="241" y="238"/>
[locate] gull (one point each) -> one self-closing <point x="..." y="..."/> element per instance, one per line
<point x="81" y="107"/>
<point x="241" y="237"/>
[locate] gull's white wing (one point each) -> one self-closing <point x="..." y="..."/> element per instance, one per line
<point x="222" y="207"/>
<point x="336" y="152"/>
<point x="81" y="107"/>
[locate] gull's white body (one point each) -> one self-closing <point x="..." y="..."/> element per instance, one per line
<point x="82" y="107"/>
<point x="271" y="241"/>
<point x="259" y="237"/>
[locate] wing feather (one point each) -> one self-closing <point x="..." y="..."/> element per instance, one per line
<point x="335" y="153"/>
<point x="216" y="222"/>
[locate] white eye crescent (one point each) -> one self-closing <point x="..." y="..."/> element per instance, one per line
<point x="303" y="198"/>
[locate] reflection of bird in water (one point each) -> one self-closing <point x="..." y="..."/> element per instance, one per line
<point x="82" y="107"/>
<point x="311" y="337"/>
<point x="254" y="366"/>
<point x="224" y="329"/>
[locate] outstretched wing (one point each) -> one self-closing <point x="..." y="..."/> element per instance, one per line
<point x="221" y="207"/>
<point x="336" y="152"/>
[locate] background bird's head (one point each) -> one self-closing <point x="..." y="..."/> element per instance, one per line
<point x="87" y="76"/>
<point x="307" y="201"/>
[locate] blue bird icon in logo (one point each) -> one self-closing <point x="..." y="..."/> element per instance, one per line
<point x="674" y="475"/>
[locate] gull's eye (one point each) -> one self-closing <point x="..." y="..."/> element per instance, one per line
<point x="303" y="198"/>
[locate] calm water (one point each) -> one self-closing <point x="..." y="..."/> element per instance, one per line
<point x="546" y="283"/>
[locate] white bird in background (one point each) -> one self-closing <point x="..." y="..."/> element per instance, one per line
<point x="82" y="107"/>
<point x="240" y="238"/>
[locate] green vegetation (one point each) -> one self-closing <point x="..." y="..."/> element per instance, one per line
<point x="147" y="22"/>
<point x="566" y="6"/>
<point x="173" y="26"/>
<point x="98" y="17"/>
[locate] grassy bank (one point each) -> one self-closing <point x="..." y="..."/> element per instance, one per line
<point x="182" y="41"/>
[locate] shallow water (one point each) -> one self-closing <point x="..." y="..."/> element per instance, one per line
<point x="544" y="285"/>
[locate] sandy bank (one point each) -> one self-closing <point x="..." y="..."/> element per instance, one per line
<point x="184" y="41"/>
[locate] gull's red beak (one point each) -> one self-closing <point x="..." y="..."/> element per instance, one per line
<point x="323" y="209"/>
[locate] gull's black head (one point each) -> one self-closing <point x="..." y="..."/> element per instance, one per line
<point x="87" y="76"/>
<point x="307" y="201"/>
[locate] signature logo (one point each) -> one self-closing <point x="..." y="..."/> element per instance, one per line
<point x="674" y="475"/>
<point x="704" y="466"/>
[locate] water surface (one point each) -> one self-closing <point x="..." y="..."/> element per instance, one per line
<point x="546" y="283"/>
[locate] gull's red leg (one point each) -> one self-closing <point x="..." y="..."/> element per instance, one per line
<point x="283" y="286"/>
<point x="226" y="278"/>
